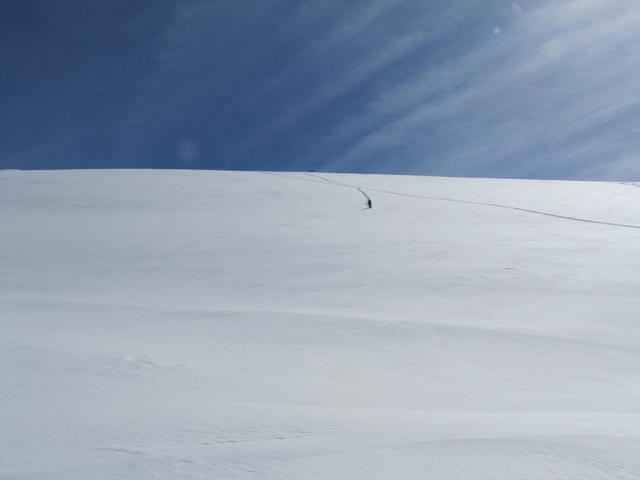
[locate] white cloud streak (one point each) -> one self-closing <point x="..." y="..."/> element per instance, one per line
<point x="534" y="99"/>
<point x="402" y="86"/>
<point x="363" y="64"/>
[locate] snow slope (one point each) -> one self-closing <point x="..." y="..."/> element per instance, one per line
<point x="184" y="324"/>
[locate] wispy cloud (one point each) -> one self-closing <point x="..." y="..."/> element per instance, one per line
<point x="527" y="88"/>
<point x="555" y="95"/>
<point x="372" y="58"/>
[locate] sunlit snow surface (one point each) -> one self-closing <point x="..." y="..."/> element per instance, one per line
<point x="214" y="325"/>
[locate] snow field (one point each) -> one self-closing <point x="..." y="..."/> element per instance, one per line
<point x="182" y="324"/>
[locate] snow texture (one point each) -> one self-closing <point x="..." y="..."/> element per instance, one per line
<point x="201" y="325"/>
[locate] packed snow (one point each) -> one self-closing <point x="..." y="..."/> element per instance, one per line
<point x="220" y="325"/>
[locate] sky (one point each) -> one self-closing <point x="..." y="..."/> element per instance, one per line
<point x="543" y="89"/>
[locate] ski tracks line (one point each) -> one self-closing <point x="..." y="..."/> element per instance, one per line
<point x="318" y="179"/>
<point x="470" y="202"/>
<point x="510" y="207"/>
<point x="365" y="194"/>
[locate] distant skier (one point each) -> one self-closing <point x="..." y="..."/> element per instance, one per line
<point x="364" y="194"/>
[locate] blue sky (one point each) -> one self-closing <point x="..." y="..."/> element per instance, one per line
<point x="533" y="88"/>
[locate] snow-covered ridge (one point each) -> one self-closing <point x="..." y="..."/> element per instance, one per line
<point x="188" y="324"/>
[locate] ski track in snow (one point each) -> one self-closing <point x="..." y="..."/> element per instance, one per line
<point x="470" y="202"/>
<point x="365" y="194"/>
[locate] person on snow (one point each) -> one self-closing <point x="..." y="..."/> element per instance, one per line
<point x="369" y="203"/>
